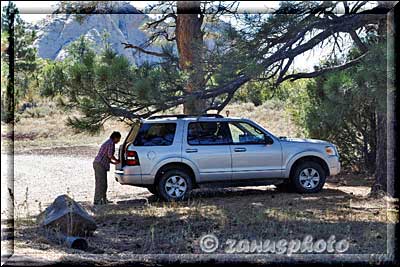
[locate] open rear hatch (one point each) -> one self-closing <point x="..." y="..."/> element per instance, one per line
<point x="128" y="140"/>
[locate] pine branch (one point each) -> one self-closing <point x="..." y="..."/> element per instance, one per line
<point x="296" y="76"/>
<point x="140" y="49"/>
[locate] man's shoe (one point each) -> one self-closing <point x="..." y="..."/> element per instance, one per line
<point x="103" y="202"/>
<point x="98" y="203"/>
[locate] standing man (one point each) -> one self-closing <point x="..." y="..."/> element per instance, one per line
<point x="101" y="166"/>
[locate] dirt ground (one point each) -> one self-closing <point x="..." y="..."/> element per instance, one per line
<point x="51" y="160"/>
<point x="138" y="223"/>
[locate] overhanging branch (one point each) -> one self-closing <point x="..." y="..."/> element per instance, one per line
<point x="141" y="49"/>
<point x="363" y="48"/>
<point x="296" y="76"/>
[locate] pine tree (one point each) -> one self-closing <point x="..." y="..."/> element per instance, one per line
<point x="20" y="57"/>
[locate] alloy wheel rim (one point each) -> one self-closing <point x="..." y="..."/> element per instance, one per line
<point x="175" y="186"/>
<point x="309" y="178"/>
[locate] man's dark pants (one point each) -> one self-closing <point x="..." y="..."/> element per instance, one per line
<point x="100" y="174"/>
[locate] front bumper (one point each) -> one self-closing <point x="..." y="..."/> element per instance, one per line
<point x="334" y="165"/>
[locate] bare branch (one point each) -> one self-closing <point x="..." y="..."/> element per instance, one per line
<point x="357" y="6"/>
<point x="231" y="86"/>
<point x="154" y="24"/>
<point x="284" y="70"/>
<point x="345" y="23"/>
<point x="219" y="107"/>
<point x="363" y="48"/>
<point x="346" y="7"/>
<point x="296" y="76"/>
<point x="140" y="49"/>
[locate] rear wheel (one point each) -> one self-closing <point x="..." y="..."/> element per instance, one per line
<point x="308" y="177"/>
<point x="174" y="185"/>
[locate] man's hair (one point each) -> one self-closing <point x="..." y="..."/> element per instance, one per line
<point x="115" y="135"/>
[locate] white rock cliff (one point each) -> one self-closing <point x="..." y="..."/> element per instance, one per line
<point x="57" y="31"/>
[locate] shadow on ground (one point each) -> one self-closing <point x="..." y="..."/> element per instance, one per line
<point x="149" y="226"/>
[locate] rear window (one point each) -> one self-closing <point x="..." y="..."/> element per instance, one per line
<point x="155" y="134"/>
<point x="207" y="133"/>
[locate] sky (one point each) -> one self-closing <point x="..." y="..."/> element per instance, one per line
<point x="32" y="11"/>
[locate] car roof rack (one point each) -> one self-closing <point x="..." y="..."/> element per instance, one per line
<point x="181" y="116"/>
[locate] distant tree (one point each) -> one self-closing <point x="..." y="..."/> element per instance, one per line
<point x="19" y="57"/>
<point x="341" y="107"/>
<point x="351" y="106"/>
<point x="8" y="16"/>
<point x="53" y="79"/>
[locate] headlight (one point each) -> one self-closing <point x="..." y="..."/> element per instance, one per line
<point x="330" y="151"/>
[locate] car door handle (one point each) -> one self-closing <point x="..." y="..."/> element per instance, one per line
<point x="191" y="150"/>
<point x="240" y="149"/>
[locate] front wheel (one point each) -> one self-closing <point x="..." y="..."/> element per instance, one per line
<point x="308" y="177"/>
<point x="174" y="185"/>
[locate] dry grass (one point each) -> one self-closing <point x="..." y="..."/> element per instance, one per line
<point x="48" y="129"/>
<point x="145" y="225"/>
<point x="52" y="131"/>
<point x="271" y="115"/>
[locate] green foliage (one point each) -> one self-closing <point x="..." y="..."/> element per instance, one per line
<point x="38" y="112"/>
<point x="98" y="84"/>
<point x="340" y="107"/>
<point x="23" y="53"/>
<point x="258" y="92"/>
<point x="4" y="64"/>
<point x="53" y="79"/>
<point x="102" y="84"/>
<point x="254" y="92"/>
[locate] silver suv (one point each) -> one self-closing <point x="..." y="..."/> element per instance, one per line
<point x="170" y="155"/>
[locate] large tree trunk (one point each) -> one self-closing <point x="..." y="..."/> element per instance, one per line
<point x="189" y="38"/>
<point x="380" y="171"/>
<point x="392" y="105"/>
<point x="381" y="117"/>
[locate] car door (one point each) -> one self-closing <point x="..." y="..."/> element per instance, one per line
<point x="129" y="139"/>
<point x="207" y="146"/>
<point x="252" y="157"/>
<point x="155" y="142"/>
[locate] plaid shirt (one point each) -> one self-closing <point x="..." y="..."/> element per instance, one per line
<point x="106" y="151"/>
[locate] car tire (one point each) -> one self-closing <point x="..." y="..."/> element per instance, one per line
<point x="174" y="185"/>
<point x="308" y="177"/>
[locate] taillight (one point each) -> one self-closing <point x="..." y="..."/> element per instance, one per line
<point x="132" y="158"/>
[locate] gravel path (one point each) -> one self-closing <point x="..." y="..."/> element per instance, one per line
<point x="40" y="178"/>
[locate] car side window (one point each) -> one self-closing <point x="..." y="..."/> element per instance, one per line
<point x="244" y="133"/>
<point x="207" y="133"/>
<point x="156" y="134"/>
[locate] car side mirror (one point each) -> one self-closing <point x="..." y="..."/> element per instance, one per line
<point x="268" y="140"/>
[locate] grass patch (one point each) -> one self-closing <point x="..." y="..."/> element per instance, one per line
<point x="150" y="226"/>
<point x="45" y="126"/>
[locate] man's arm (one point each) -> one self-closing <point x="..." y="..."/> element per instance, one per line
<point x="114" y="160"/>
<point x="110" y="154"/>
